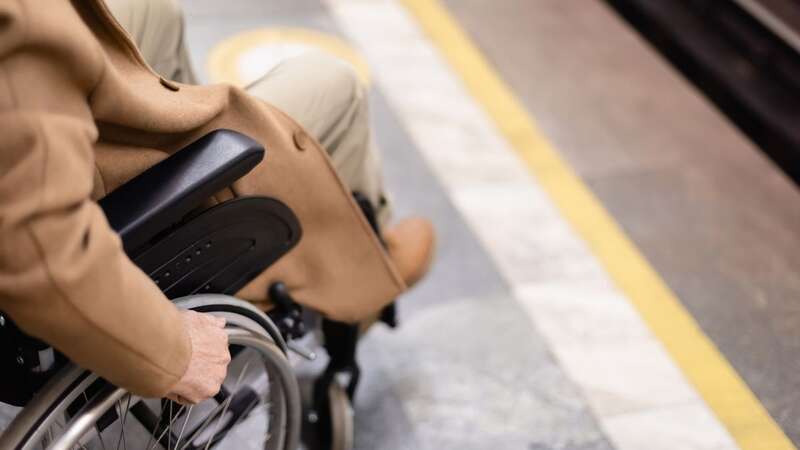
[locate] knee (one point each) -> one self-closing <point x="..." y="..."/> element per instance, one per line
<point x="341" y="77"/>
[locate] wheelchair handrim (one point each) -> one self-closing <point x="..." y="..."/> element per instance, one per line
<point x="99" y="406"/>
<point x="28" y="429"/>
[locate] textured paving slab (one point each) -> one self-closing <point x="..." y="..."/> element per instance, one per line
<point x="471" y="374"/>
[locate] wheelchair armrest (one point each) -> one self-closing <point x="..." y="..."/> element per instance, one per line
<point x="162" y="195"/>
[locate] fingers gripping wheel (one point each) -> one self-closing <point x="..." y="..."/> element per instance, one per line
<point x="259" y="401"/>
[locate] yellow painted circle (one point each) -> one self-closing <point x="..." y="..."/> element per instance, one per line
<point x="245" y="57"/>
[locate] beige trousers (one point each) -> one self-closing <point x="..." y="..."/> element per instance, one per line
<point x="321" y="92"/>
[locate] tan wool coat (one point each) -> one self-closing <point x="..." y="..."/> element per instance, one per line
<point x="80" y="114"/>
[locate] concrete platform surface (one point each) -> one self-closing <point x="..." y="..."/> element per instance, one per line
<point x="713" y="216"/>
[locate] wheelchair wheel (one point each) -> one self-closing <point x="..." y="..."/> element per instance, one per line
<point x="341" y="417"/>
<point x="258" y="407"/>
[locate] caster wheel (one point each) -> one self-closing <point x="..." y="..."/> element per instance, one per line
<point x="341" y="415"/>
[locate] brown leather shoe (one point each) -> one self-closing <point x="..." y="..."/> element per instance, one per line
<point x="411" y="246"/>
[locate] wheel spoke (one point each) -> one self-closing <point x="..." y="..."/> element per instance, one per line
<point x="228" y="420"/>
<point x="227" y="403"/>
<point x="100" y="436"/>
<point x="220" y="417"/>
<point x="99" y="433"/>
<point x="183" y="428"/>
<point x="168" y="428"/>
<point x="155" y="430"/>
<point x="124" y="416"/>
<point x="250" y="409"/>
<point x="204" y="425"/>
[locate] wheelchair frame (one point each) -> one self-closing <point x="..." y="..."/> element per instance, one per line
<point x="188" y="250"/>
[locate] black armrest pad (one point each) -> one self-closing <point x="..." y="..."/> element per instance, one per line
<point x="162" y="195"/>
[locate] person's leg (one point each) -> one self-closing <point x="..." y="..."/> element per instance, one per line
<point x="327" y="98"/>
<point x="157" y="27"/>
<point x="319" y="91"/>
<point x="325" y="95"/>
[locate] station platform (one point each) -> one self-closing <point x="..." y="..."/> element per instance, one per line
<point x="659" y="315"/>
<point x="617" y="263"/>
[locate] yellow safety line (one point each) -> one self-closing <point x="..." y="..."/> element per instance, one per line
<point x="703" y="365"/>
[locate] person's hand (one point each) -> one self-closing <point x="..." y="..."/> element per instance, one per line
<point x="208" y="363"/>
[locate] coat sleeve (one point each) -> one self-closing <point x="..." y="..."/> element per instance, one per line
<point x="64" y="277"/>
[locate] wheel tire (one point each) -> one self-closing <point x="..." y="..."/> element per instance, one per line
<point x="341" y="414"/>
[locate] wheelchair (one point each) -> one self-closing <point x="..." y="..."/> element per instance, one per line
<point x="199" y="257"/>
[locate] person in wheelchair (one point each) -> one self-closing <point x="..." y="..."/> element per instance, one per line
<point x="85" y="110"/>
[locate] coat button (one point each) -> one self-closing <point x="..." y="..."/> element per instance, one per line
<point x="171" y="85"/>
<point x="301" y="140"/>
